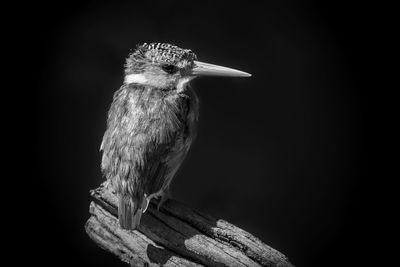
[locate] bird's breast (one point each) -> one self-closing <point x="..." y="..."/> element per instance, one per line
<point x="159" y="115"/>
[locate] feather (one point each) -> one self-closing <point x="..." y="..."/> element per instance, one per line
<point x="149" y="132"/>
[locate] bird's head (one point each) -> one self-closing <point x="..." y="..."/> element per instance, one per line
<point x="168" y="67"/>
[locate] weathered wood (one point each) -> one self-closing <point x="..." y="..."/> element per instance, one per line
<point x="176" y="236"/>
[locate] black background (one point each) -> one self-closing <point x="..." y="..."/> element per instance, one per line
<point x="281" y="154"/>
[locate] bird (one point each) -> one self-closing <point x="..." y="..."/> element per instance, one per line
<point x="151" y="125"/>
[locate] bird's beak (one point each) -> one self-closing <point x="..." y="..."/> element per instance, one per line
<point x="206" y="69"/>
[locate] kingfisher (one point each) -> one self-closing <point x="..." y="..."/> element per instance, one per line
<point x="151" y="125"/>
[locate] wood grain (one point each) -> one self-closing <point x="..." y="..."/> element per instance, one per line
<point x="176" y="236"/>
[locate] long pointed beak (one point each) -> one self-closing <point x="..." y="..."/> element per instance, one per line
<point x="206" y="69"/>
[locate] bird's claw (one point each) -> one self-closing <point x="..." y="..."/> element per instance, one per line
<point x="164" y="197"/>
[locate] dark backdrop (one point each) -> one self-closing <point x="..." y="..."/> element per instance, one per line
<point x="279" y="154"/>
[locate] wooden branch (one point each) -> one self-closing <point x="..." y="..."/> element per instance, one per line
<point x="176" y="236"/>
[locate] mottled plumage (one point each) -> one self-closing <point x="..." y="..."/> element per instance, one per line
<point x="151" y="125"/>
<point x="149" y="132"/>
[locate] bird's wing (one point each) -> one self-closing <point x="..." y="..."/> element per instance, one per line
<point x="162" y="166"/>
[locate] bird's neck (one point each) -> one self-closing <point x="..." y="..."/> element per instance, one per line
<point x="158" y="82"/>
<point x="150" y="97"/>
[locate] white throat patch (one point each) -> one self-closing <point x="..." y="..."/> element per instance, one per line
<point x="183" y="82"/>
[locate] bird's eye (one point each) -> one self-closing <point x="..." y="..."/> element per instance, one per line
<point x="168" y="68"/>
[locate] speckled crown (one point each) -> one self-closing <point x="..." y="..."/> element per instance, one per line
<point x="159" y="53"/>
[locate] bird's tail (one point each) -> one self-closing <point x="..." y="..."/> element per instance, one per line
<point x="130" y="212"/>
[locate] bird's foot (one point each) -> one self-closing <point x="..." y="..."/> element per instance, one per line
<point x="164" y="197"/>
<point x="109" y="185"/>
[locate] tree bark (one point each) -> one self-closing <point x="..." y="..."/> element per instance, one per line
<point x="175" y="236"/>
